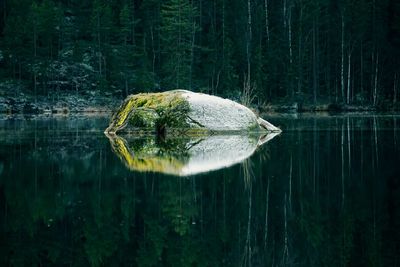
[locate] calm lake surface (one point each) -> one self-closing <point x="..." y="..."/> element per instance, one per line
<point x="326" y="192"/>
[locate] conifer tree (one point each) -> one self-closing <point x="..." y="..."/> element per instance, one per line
<point x="177" y="33"/>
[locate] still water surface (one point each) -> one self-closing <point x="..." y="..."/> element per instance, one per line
<point x="326" y="192"/>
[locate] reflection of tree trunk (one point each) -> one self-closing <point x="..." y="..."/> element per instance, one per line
<point x="290" y="180"/>
<point x="348" y="144"/>
<point x="342" y="156"/>
<point x="395" y="130"/>
<point x="201" y="216"/>
<point x="362" y="153"/>
<point x="247" y="248"/>
<point x="36" y="160"/>
<point x="376" y="141"/>
<point x="299" y="140"/>
<point x="315" y="158"/>
<point x="134" y="197"/>
<point x="99" y="176"/>
<point x="286" y="248"/>
<point x="266" y="217"/>
<point x="224" y="204"/>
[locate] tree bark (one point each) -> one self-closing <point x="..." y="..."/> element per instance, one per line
<point x="299" y="64"/>
<point x="376" y="79"/>
<point x="315" y="79"/>
<point x="192" y="49"/>
<point x="395" y="89"/>
<point x="290" y="51"/>
<point x="133" y="24"/>
<point x="361" y="72"/>
<point x="348" y="76"/>
<point x="249" y="42"/>
<point x="342" y="60"/>
<point x="266" y="19"/>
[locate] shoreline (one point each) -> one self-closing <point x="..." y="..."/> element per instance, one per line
<point x="96" y="103"/>
<point x="60" y="105"/>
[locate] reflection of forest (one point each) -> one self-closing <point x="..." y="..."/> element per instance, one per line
<point x="310" y="198"/>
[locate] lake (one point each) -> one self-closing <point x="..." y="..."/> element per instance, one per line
<point x="325" y="192"/>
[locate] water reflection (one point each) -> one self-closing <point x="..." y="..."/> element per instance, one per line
<point x="325" y="193"/>
<point x="188" y="155"/>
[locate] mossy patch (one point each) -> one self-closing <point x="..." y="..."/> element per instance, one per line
<point x="152" y="110"/>
<point x="143" y="119"/>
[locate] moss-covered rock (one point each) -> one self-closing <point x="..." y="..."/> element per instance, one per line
<point x="181" y="111"/>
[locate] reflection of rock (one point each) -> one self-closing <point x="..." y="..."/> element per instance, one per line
<point x="188" y="155"/>
<point x="185" y="111"/>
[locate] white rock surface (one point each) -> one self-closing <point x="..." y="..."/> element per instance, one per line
<point x="219" y="114"/>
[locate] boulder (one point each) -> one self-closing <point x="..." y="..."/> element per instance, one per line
<point x="184" y="111"/>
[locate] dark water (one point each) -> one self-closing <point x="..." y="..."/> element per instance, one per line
<point x="326" y="192"/>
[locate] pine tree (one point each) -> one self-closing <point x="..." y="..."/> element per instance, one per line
<point x="102" y="25"/>
<point x="177" y="31"/>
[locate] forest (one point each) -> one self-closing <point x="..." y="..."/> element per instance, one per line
<point x="312" y="51"/>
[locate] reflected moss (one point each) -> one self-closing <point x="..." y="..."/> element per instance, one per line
<point x="143" y="155"/>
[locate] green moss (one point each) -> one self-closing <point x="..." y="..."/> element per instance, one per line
<point x="152" y="110"/>
<point x="143" y="119"/>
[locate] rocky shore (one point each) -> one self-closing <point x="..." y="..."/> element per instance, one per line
<point x="328" y="107"/>
<point x="58" y="104"/>
<point x="96" y="102"/>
